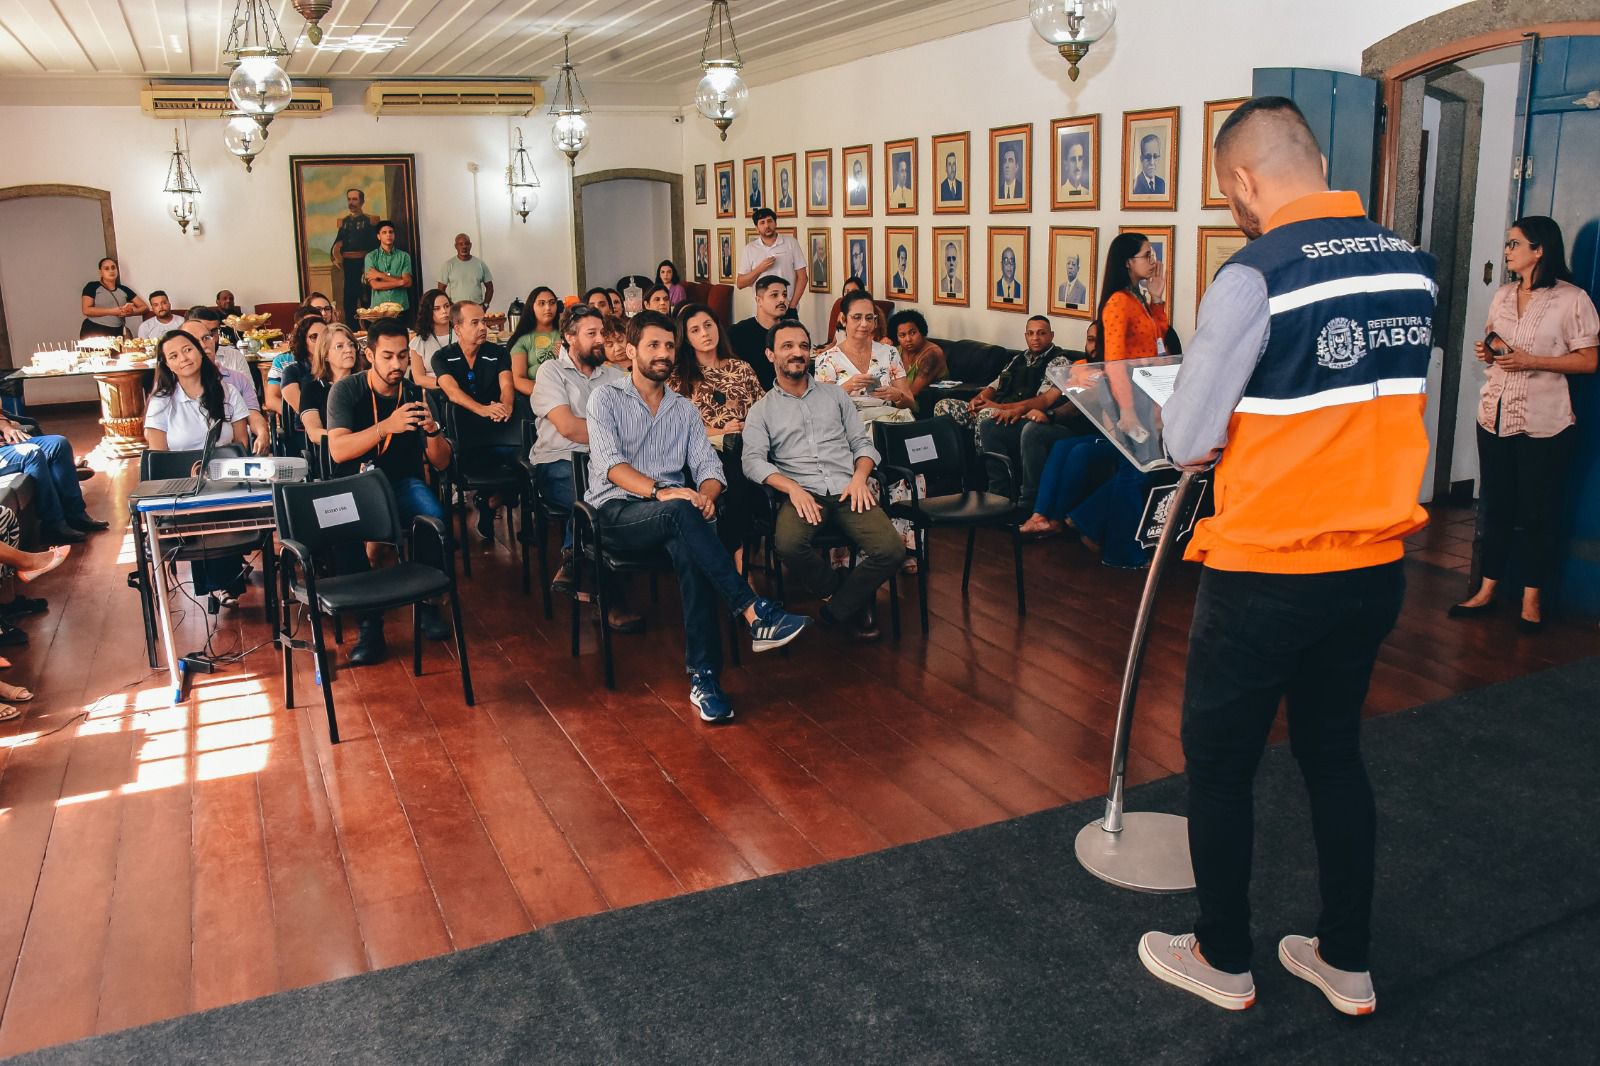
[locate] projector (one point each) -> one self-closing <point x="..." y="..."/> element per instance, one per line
<point x="270" y="468"/>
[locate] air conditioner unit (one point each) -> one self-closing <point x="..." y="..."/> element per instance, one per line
<point x="204" y="100"/>
<point x="454" y="97"/>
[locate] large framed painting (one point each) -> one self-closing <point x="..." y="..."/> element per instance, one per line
<point x="950" y="155"/>
<point x="819" y="181"/>
<point x="1217" y="112"/>
<point x="858" y="255"/>
<point x="724" y="171"/>
<point x="856" y="162"/>
<point x="1161" y="239"/>
<point x="950" y="261"/>
<point x="339" y="201"/>
<point x="1073" y="271"/>
<point x="1150" y="160"/>
<point x="1216" y="246"/>
<point x="1008" y="268"/>
<point x="819" y="243"/>
<point x="1075" y="163"/>
<point x="784" y="188"/>
<point x="1011" y="168"/>
<point x="900" y="176"/>
<point x="900" y="262"/>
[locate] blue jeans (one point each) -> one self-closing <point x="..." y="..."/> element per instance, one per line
<point x="555" y="489"/>
<point x="704" y="568"/>
<point x="413" y="497"/>
<point x="49" y="461"/>
<point x="1075" y="466"/>
<point x="1110" y="516"/>
<point x="1257" y="638"/>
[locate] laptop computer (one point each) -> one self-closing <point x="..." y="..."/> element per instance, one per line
<point x="182" y="486"/>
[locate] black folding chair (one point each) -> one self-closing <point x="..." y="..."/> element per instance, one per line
<point x="154" y="466"/>
<point x="590" y="551"/>
<point x="365" y="509"/>
<point x="936" y="449"/>
<point x="538" y="514"/>
<point x="475" y="469"/>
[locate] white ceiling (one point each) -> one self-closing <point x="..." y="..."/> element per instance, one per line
<point x="626" y="44"/>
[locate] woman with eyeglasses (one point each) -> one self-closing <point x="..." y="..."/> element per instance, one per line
<point x="1541" y="328"/>
<point x="836" y="313"/>
<point x="335" y="357"/>
<point x="722" y="388"/>
<point x="190" y="396"/>
<point x="430" y="331"/>
<point x="306" y="334"/>
<point x="536" y="338"/>
<point x="1074" y="490"/>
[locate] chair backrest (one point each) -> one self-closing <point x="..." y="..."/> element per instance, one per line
<point x="282" y="315"/>
<point x="580" y="475"/>
<point x="933" y="447"/>
<point x="341" y="510"/>
<point x="466" y="431"/>
<point x="976" y="362"/>
<point x="717" y="297"/>
<point x="156" y="466"/>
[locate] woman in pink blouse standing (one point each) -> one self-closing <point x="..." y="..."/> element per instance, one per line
<point x="1541" y="328"/>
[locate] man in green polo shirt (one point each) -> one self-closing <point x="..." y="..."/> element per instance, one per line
<point x="388" y="272"/>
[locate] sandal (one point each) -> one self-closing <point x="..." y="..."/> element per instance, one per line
<point x="15" y="693"/>
<point x="57" y="556"/>
<point x="8" y="712"/>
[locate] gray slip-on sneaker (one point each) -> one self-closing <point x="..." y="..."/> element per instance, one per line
<point x="1349" y="992"/>
<point x="1173" y="960"/>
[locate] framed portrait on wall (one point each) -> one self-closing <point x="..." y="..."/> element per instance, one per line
<point x="1073" y="261"/>
<point x="784" y="189"/>
<point x="755" y="184"/>
<point x="858" y="255"/>
<point x="724" y="171"/>
<point x="857" y="165"/>
<point x="819" y="259"/>
<point x="900" y="176"/>
<point x="1160" y="238"/>
<point x="819" y="182"/>
<point x="699" y="183"/>
<point x="951" y="155"/>
<point x="702" y="255"/>
<point x="951" y="259"/>
<point x="900" y="262"/>
<point x="1150" y="160"/>
<point x="1217" y="112"/>
<point x="1008" y="268"/>
<point x="725" y="256"/>
<point x="1011" y="168"/>
<point x="1215" y="247"/>
<point x="1075" y="163"/>
<point x="389" y="189"/>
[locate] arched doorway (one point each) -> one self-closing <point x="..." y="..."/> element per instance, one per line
<point x="63" y="195"/>
<point x="635" y="219"/>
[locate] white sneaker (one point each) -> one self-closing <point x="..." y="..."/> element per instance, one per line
<point x="1348" y="990"/>
<point x="1173" y="960"/>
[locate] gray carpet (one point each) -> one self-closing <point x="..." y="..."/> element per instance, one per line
<point x="994" y="946"/>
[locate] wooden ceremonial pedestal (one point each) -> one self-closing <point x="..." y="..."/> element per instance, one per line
<point x="122" y="400"/>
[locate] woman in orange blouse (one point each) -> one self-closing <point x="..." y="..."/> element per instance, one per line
<point x="1106" y="517"/>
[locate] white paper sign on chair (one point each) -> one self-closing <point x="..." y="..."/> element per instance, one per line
<point x="921" y="449"/>
<point x="337" y="510"/>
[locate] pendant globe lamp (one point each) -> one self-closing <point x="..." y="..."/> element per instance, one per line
<point x="522" y="181"/>
<point x="259" y="86"/>
<point x="182" y="186"/>
<point x="721" y="95"/>
<point x="1072" y="26"/>
<point x="571" y="131"/>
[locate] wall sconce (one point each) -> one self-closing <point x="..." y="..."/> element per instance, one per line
<point x="182" y="186"/>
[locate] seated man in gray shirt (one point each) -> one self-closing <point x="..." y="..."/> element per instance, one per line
<point x="806" y="440"/>
<point x="642" y="436"/>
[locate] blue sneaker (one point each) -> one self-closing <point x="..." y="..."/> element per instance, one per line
<point x="774" y="627"/>
<point x="706" y="694"/>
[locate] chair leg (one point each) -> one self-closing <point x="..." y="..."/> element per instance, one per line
<point x="459" y="502"/>
<point x="894" y="605"/>
<point x="287" y="652"/>
<point x="922" y="577"/>
<point x="520" y="542"/>
<point x="544" y="566"/>
<point x="733" y="639"/>
<point x="147" y="604"/>
<point x="461" y="645"/>
<point x="966" y="568"/>
<point x="320" y="650"/>
<point x="416" y="639"/>
<point x="338" y="628"/>
<point x="604" y="605"/>
<point x="1016" y="555"/>
<point x="577" y="584"/>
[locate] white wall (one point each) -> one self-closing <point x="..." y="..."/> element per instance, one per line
<point x="627" y="229"/>
<point x="1160" y="54"/>
<point x="246" y="238"/>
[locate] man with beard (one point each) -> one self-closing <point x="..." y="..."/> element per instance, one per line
<point x="642" y="437"/>
<point x="561" y="404"/>
<point x="358" y="235"/>
<point x="749" y="336"/>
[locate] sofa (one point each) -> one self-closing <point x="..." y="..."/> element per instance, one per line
<point x="973" y="363"/>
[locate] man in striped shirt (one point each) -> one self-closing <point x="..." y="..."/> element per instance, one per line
<point x="643" y="436"/>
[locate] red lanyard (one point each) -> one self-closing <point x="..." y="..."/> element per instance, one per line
<point x="383" y="438"/>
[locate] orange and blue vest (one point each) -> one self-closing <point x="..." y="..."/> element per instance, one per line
<point x="1327" y="447"/>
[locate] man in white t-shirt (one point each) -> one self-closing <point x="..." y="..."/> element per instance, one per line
<point x="161" y="318"/>
<point x="773" y="253"/>
<point x="465" y="277"/>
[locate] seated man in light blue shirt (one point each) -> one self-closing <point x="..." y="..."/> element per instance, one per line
<point x="642" y="437"/>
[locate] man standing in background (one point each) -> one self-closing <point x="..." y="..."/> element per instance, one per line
<point x="773" y="253"/>
<point x="161" y="317"/>
<point x="358" y="235"/>
<point x="465" y="278"/>
<point x="388" y="269"/>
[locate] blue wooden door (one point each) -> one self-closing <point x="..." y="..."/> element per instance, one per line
<point x="1561" y="178"/>
<point x="1342" y="110"/>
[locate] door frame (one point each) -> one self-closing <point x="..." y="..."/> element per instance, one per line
<point x="107" y="225"/>
<point x="674" y="184"/>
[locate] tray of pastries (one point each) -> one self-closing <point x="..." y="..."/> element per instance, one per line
<point x="388" y="309"/>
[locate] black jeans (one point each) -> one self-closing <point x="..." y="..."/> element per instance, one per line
<point x="1256" y="639"/>
<point x="704" y="567"/>
<point x="1524" y="485"/>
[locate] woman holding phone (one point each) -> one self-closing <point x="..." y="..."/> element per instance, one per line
<point x="1541" y="328"/>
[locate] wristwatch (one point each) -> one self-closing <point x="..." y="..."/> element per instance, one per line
<point x="655" y="490"/>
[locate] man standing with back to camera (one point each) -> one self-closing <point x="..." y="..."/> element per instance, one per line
<point x="1306" y="376"/>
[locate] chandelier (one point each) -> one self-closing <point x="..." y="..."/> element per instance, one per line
<point x="569" y="105"/>
<point x="259" y="86"/>
<point x="182" y="186"/>
<point x="244" y="137"/>
<point x="721" y="94"/>
<point x="1072" y="26"/>
<point x="522" y="181"/>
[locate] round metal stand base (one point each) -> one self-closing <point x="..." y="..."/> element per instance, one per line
<point x="1151" y="854"/>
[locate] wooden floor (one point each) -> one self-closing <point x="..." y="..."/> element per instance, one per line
<point x="162" y="860"/>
